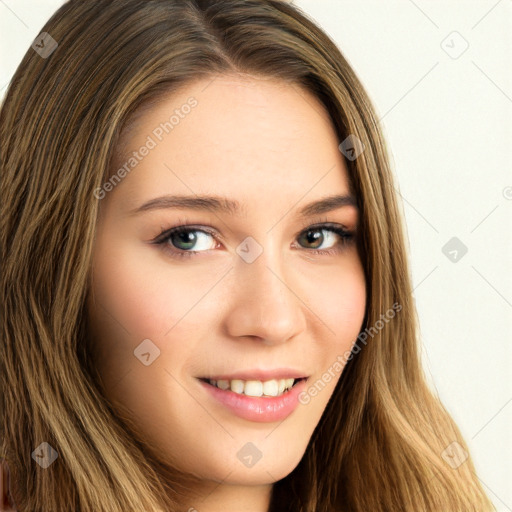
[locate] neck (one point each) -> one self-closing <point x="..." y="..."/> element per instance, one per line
<point x="215" y="497"/>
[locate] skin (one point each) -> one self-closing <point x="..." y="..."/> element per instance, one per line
<point x="272" y="147"/>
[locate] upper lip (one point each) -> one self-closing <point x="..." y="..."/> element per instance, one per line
<point x="259" y="374"/>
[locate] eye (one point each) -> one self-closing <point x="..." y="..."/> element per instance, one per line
<point x="334" y="236"/>
<point x="185" y="238"/>
<point x="188" y="241"/>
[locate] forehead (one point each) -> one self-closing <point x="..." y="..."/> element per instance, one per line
<point x="236" y="136"/>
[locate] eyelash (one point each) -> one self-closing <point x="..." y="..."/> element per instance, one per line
<point x="345" y="235"/>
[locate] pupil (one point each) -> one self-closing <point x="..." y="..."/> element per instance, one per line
<point x="186" y="237"/>
<point x="314" y="236"/>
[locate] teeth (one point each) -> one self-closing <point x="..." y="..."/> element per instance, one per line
<point x="237" y="386"/>
<point x="270" y="387"/>
<point x="253" y="388"/>
<point x="223" y="384"/>
<point x="274" y="387"/>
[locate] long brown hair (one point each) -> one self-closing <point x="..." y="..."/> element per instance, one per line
<point x="380" y="442"/>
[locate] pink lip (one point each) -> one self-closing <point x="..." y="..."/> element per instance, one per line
<point x="258" y="374"/>
<point x="258" y="409"/>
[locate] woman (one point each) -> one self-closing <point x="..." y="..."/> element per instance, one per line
<point x="206" y="294"/>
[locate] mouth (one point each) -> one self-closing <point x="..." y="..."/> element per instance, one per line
<point x="264" y="401"/>
<point x="255" y="388"/>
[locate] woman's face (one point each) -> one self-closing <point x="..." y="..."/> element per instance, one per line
<point x="241" y="297"/>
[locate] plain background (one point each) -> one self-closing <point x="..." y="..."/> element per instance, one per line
<point x="444" y="101"/>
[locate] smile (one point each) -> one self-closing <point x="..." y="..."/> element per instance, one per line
<point x="262" y="401"/>
<point x="255" y="388"/>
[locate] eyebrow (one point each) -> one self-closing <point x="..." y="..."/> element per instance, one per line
<point x="233" y="207"/>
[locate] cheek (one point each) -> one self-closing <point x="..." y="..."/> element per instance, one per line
<point x="341" y="308"/>
<point x="348" y="305"/>
<point x="126" y="306"/>
<point x="136" y="296"/>
<point x="339" y="302"/>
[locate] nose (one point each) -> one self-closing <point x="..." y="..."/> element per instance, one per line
<point x="266" y="302"/>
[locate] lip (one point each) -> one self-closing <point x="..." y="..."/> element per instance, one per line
<point x="257" y="409"/>
<point x="259" y="374"/>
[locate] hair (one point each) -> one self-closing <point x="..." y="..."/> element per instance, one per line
<point x="379" y="443"/>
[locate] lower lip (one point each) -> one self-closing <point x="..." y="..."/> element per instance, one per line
<point x="259" y="409"/>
